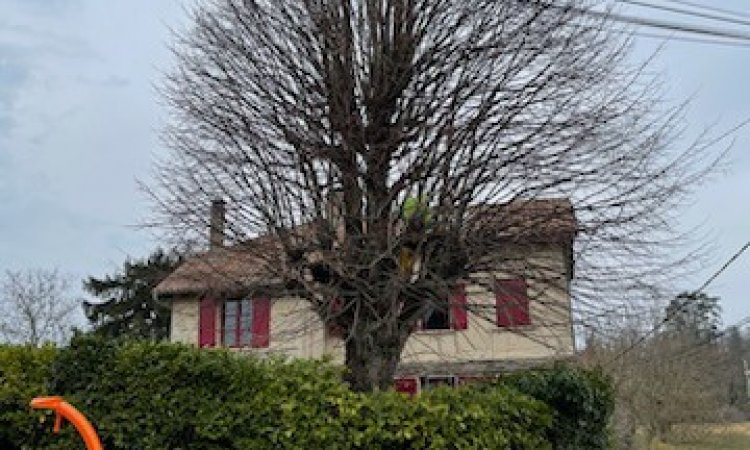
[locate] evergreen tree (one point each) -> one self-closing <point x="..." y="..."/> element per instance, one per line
<point x="126" y="306"/>
<point x="695" y="315"/>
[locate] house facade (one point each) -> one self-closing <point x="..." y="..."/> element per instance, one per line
<point x="517" y="316"/>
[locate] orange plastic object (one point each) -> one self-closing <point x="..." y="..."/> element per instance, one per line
<point x="63" y="410"/>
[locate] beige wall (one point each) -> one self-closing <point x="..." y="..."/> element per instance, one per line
<point x="185" y="321"/>
<point x="296" y="331"/>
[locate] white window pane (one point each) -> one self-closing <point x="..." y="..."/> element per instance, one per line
<point x="247" y="337"/>
<point x="246" y="321"/>
<point x="231" y="308"/>
<point x="230" y="337"/>
<point x="247" y="313"/>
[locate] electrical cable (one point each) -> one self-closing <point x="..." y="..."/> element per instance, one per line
<point x="709" y="8"/>
<point x="676" y="10"/>
<point x="680" y="307"/>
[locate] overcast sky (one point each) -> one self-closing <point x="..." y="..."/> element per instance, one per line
<point x="79" y="122"/>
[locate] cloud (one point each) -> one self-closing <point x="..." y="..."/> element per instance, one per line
<point x="12" y="76"/>
<point x="107" y="81"/>
<point x="46" y="6"/>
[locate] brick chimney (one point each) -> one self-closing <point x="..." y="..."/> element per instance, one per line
<point x="216" y="224"/>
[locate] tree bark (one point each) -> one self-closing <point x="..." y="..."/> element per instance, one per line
<point x="372" y="360"/>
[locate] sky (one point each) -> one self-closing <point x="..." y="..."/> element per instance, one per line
<point x="80" y="120"/>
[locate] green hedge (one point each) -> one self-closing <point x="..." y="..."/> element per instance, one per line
<point x="24" y="372"/>
<point x="583" y="401"/>
<point x="159" y="396"/>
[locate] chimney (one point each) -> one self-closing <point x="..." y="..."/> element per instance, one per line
<point x="216" y="225"/>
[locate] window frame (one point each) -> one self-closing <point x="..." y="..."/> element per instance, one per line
<point x="425" y="386"/>
<point x="524" y="305"/>
<point x="448" y="317"/>
<point x="456" y="312"/>
<point x="242" y="336"/>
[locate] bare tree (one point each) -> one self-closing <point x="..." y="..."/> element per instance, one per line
<point x="35" y="307"/>
<point x="375" y="152"/>
<point x="670" y="386"/>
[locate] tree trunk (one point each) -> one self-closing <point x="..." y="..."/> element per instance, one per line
<point x="372" y="359"/>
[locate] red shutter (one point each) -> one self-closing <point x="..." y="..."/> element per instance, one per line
<point x="207" y="325"/>
<point x="406" y="385"/>
<point x="261" y="322"/>
<point x="512" y="303"/>
<point x="459" y="315"/>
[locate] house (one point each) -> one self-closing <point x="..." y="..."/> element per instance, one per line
<point x="523" y="319"/>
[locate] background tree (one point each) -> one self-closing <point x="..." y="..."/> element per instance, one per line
<point x="127" y="306"/>
<point x="317" y="120"/>
<point x="36" y="306"/>
<point x="736" y="345"/>
<point x="695" y="315"/>
<point x="688" y="373"/>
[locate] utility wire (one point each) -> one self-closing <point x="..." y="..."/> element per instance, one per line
<point x="709" y="8"/>
<point x="675" y="38"/>
<point x="687" y="351"/>
<point x="668" y="25"/>
<point x="682" y="11"/>
<point x="680" y="308"/>
<point x="724" y="267"/>
<point x="677" y="27"/>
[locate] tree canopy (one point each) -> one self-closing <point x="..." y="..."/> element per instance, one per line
<point x="318" y="121"/>
<point x="36" y="306"/>
<point x="694" y="314"/>
<point x="126" y="306"/>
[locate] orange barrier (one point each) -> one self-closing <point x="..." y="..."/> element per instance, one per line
<point x="63" y="410"/>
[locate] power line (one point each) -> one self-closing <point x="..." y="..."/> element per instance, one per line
<point x="724" y="267"/>
<point x="677" y="27"/>
<point x="687" y="351"/>
<point x="709" y="8"/>
<point x="682" y="11"/>
<point x="672" y="37"/>
<point x="669" y="25"/>
<point x="680" y="307"/>
<point x="683" y="38"/>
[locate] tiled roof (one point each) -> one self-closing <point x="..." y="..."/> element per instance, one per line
<point x="226" y="269"/>
<point x="219" y="269"/>
<point x="521" y="221"/>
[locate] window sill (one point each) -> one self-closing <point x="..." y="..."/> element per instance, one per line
<point x="240" y="347"/>
<point x="436" y="332"/>
<point x="528" y="327"/>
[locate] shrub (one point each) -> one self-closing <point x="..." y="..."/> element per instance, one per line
<point x="156" y="396"/>
<point x="583" y="401"/>
<point x="23" y="375"/>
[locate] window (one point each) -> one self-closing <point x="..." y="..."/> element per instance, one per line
<point x="451" y="317"/>
<point x="512" y="303"/>
<point x="437" y="319"/>
<point x="431" y="382"/>
<point x="237" y="321"/>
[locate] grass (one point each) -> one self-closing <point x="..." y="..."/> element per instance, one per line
<point x="723" y="437"/>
